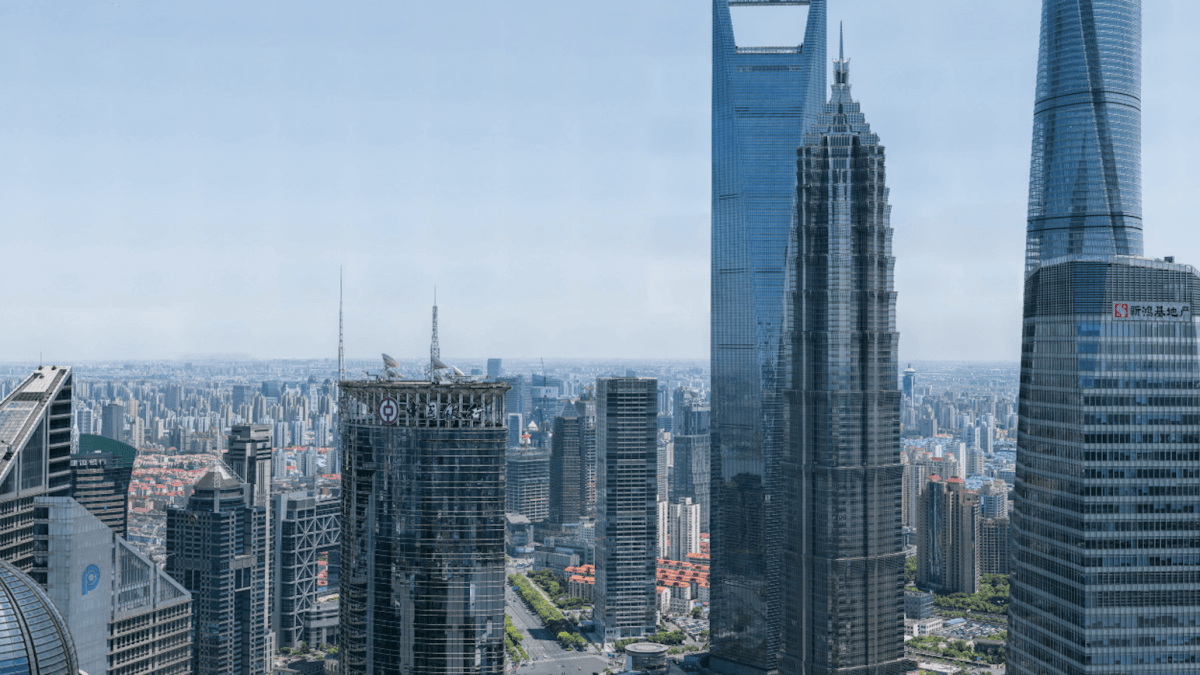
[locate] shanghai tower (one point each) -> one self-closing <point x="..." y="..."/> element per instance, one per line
<point x="1105" y="533"/>
<point x="1085" y="180"/>
<point x="763" y="99"/>
<point x="843" y="555"/>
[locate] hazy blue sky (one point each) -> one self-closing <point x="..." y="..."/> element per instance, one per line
<point x="183" y="178"/>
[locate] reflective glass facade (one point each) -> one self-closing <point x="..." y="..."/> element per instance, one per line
<point x="843" y="567"/>
<point x="1106" y="535"/>
<point x="763" y="100"/>
<point x="1085" y="176"/>
<point x="34" y="639"/>
<point x="423" y="497"/>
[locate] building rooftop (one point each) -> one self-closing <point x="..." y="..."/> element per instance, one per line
<point x="21" y="409"/>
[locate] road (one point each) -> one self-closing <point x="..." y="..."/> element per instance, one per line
<point x="546" y="656"/>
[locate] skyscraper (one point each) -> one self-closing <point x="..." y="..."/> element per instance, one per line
<point x="568" y="481"/>
<point x="626" y="507"/>
<point x="529" y="484"/>
<point x="690" y="474"/>
<point x="910" y="381"/>
<point x="35" y="456"/>
<point x="249" y="456"/>
<point x="100" y="476"/>
<point x="494" y="368"/>
<point x="423" y="497"/>
<point x="113" y="420"/>
<point x="947" y="530"/>
<point x="1104" y="526"/>
<point x="1085" y="192"/>
<point x="124" y="614"/>
<point x="307" y="543"/>
<point x="217" y="550"/>
<point x="763" y="99"/>
<point x="683" y="529"/>
<point x="844" y="558"/>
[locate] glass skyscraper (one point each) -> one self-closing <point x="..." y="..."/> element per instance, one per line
<point x="843" y="557"/>
<point x="1105" y="531"/>
<point x="764" y="98"/>
<point x="423" y="495"/>
<point x="1085" y="179"/>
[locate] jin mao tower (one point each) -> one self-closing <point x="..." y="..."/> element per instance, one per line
<point x="844" y="560"/>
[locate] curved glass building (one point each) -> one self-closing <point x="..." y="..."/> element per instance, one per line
<point x="34" y="639"/>
<point x="1085" y="175"/>
<point x="763" y="99"/>
<point x="1105" y="526"/>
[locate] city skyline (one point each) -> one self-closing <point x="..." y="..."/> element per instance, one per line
<point x="156" y="199"/>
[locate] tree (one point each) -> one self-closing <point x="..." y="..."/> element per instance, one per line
<point x="697" y="612"/>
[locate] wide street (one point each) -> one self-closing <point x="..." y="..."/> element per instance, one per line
<point x="547" y="657"/>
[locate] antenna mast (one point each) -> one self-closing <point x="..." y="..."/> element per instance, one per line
<point x="341" y="346"/>
<point x="435" y="350"/>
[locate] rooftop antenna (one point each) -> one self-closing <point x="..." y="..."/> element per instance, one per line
<point x="341" y="346"/>
<point x="435" y="350"/>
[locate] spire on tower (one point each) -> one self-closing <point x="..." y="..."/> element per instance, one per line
<point x="841" y="65"/>
<point x="435" y="351"/>
<point x="341" y="346"/>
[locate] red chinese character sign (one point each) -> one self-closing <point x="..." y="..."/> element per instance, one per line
<point x="1150" y="311"/>
<point x="389" y="410"/>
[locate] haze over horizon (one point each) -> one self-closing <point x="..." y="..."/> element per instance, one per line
<point x="188" y="179"/>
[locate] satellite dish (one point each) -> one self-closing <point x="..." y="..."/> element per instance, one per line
<point x="458" y="372"/>
<point x="389" y="362"/>
<point x="437" y="363"/>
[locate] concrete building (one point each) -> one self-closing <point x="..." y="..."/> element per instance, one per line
<point x="423" y="527"/>
<point x="946" y="532"/>
<point x="126" y="616"/>
<point x="626" y="507"/>
<point x="35" y="456"/>
<point x="992" y="546"/>
<point x="217" y="550"/>
<point x="683" y="529"/>
<point x="528" y="490"/>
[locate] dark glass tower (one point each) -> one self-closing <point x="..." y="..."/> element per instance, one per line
<point x="1085" y="179"/>
<point x="844" y="560"/>
<point x="1105" y="532"/>
<point x="763" y="100"/>
<point x="217" y="550"/>
<point x="423" y="495"/>
<point x="100" y="476"/>
<point x="568" y="478"/>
